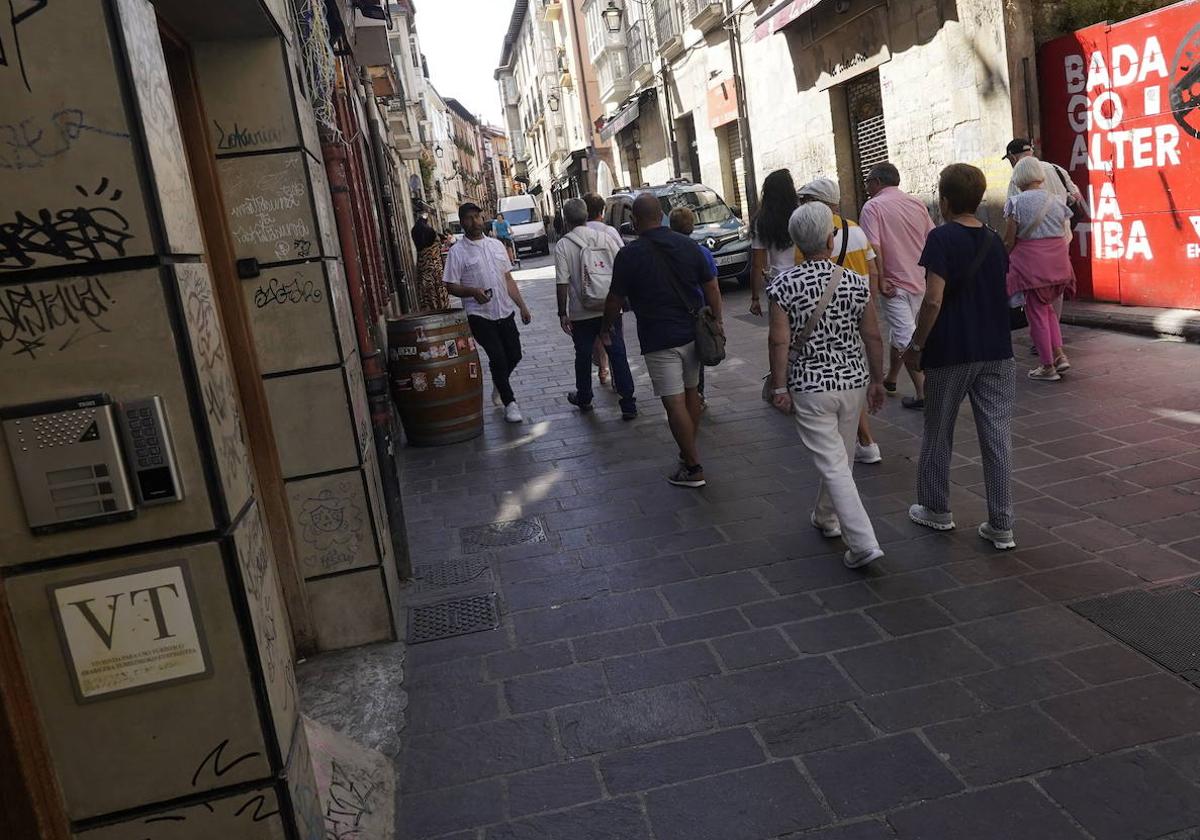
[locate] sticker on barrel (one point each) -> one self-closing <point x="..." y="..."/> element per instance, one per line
<point x="420" y="382"/>
<point x="473" y="370"/>
<point x="439" y="381"/>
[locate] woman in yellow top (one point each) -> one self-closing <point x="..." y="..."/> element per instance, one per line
<point x="860" y="258"/>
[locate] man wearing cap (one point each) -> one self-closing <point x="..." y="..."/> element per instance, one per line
<point x="860" y="259"/>
<point x="896" y="225"/>
<point x="1056" y="181"/>
<point x="478" y="271"/>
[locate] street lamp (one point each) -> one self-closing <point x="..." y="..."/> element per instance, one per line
<point x="552" y="102"/>
<point x="612" y="17"/>
<point x="439" y="151"/>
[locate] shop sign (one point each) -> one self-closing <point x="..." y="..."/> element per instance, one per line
<point x="130" y="632"/>
<point x="1121" y="112"/>
<point x="722" y="103"/>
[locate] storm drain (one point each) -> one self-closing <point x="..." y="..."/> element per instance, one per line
<point x="459" y="617"/>
<point x="1163" y="624"/>
<point x="454" y="572"/>
<point x="502" y="534"/>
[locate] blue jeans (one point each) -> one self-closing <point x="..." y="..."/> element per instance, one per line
<point x="584" y="333"/>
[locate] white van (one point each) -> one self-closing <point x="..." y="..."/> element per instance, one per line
<point x="528" y="232"/>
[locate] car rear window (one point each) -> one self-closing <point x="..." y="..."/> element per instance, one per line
<point x="706" y="204"/>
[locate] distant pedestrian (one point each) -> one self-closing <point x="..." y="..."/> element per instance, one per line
<point x="665" y="278"/>
<point x="964" y="345"/>
<point x="683" y="220"/>
<point x="431" y="291"/>
<point x="595" y="209"/>
<point x="1039" y="266"/>
<point x="577" y="251"/>
<point x="477" y="270"/>
<point x="896" y="225"/>
<point x="504" y="233"/>
<point x="821" y="316"/>
<point x="772" y="251"/>
<point x="859" y="258"/>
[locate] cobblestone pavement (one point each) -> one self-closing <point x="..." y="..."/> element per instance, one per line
<point x="698" y="665"/>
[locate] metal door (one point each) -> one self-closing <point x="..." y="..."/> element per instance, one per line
<point x="868" y="134"/>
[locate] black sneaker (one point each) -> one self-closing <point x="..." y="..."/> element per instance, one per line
<point x="687" y="476"/>
<point x="630" y="414"/>
<point x="573" y="399"/>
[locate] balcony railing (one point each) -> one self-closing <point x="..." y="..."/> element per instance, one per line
<point x="665" y="23"/>
<point x="704" y="14"/>
<point x="639" y="46"/>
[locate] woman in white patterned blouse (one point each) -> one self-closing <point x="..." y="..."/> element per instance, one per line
<point x="824" y="383"/>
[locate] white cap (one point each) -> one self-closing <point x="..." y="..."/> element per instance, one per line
<point x="822" y="189"/>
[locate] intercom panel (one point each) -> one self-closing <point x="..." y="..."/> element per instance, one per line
<point x="67" y="458"/>
<point x="149" y="451"/>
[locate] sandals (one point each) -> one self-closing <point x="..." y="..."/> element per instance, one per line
<point x="913" y="403"/>
<point x="603" y="376"/>
<point x="890" y="387"/>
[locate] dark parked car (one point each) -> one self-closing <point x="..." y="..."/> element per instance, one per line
<point x="718" y="227"/>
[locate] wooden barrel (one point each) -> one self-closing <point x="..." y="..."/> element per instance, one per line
<point x="436" y="377"/>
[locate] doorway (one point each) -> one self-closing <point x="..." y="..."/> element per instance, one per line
<point x="868" y="133"/>
<point x="685" y="130"/>
<point x="733" y="166"/>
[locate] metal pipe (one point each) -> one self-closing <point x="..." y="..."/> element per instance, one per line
<point x="735" y="55"/>
<point x="337" y="166"/>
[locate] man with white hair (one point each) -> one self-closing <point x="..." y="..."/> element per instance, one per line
<point x="897" y="224"/>
<point x="582" y="256"/>
<point x="860" y="258"/>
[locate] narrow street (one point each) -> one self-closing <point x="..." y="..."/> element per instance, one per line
<point x="698" y="665"/>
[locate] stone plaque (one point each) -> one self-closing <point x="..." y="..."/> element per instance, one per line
<point x="130" y="632"/>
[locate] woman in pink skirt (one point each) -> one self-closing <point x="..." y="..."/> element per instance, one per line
<point x="1037" y="235"/>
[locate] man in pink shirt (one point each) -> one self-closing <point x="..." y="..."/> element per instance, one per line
<point x="896" y="225"/>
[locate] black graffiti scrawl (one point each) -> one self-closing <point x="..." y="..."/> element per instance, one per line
<point x="80" y="233"/>
<point x="18" y="12"/>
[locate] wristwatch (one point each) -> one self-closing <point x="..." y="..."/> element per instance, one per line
<point x="779" y="392"/>
<point x="913" y="346"/>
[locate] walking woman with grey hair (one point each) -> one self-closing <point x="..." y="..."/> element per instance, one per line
<point x="822" y="374"/>
<point x="1037" y="235"/>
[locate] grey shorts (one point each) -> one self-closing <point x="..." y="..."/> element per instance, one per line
<point x="674" y="370"/>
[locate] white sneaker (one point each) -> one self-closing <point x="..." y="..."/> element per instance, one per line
<point x="830" y="531"/>
<point x="496" y="401"/>
<point x="864" y="558"/>
<point x="937" y="521"/>
<point x="1002" y="540"/>
<point x="512" y="414"/>
<point x="868" y="454"/>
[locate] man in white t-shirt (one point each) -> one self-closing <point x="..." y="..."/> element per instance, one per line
<point x="478" y="271"/>
<point x="582" y="324"/>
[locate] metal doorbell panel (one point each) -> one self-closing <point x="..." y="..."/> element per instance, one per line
<point x="67" y="458"/>
<point x="149" y="452"/>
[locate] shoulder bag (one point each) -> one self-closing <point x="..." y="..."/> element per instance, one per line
<point x="710" y="340"/>
<point x="1079" y="213"/>
<point x="799" y="342"/>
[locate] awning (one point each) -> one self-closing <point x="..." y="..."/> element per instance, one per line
<point x="780" y="15"/>
<point x="620" y="120"/>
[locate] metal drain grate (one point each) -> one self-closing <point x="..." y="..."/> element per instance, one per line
<point x="428" y="622"/>
<point x="454" y="572"/>
<point x="1163" y="624"/>
<point x="502" y="534"/>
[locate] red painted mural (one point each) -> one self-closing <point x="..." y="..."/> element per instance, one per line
<point x="1121" y="112"/>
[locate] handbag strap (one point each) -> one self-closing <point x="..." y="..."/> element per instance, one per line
<point x="1039" y="218"/>
<point x="988" y="240"/>
<point x="835" y="278"/>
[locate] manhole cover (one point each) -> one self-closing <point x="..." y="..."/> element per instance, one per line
<point x="454" y="572"/>
<point x="452" y="618"/>
<point x="501" y="534"/>
<point x="1163" y="624"/>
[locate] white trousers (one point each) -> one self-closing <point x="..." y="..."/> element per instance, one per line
<point x="828" y="427"/>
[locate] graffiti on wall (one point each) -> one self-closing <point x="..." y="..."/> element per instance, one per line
<point x="79" y="233"/>
<point x="31" y="142"/>
<point x="269" y="213"/>
<point x="53" y="315"/>
<point x="216" y="384"/>
<point x="270" y="623"/>
<point x="330" y="523"/>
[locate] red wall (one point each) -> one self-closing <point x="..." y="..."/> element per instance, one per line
<point x="1121" y="112"/>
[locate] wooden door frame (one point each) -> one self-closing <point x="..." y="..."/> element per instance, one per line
<point x="221" y="258"/>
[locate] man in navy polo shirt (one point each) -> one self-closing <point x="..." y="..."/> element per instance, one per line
<point x="665" y="277"/>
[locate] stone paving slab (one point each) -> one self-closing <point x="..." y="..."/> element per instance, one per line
<point x="699" y="664"/>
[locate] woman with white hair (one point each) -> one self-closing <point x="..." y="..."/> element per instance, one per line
<point x="1037" y="234"/>
<point x="821" y="373"/>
